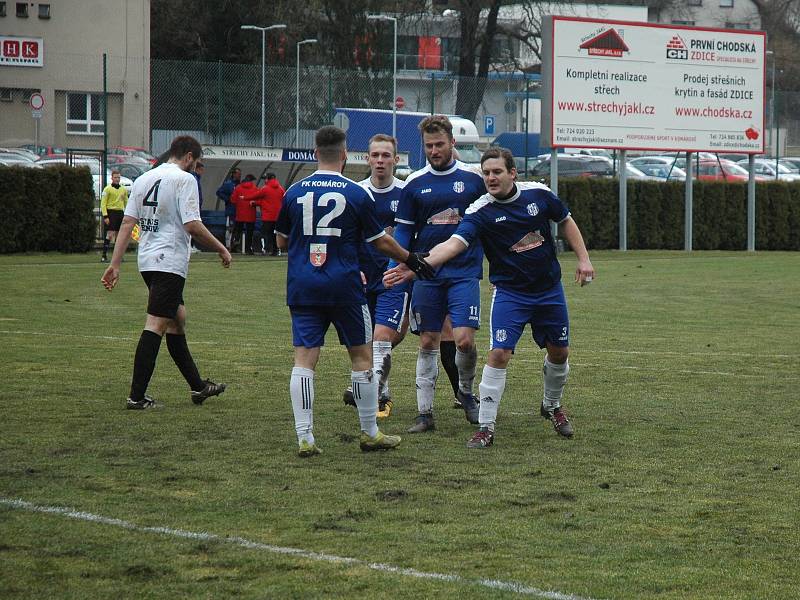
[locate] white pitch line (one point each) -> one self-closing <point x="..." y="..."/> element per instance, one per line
<point x="495" y="584"/>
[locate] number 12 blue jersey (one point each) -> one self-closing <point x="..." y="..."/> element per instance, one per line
<point x="326" y="216"/>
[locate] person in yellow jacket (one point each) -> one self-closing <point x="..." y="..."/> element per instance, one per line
<point x="112" y="207"/>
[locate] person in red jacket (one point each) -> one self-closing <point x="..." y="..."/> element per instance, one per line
<point x="271" y="199"/>
<point x="242" y="198"/>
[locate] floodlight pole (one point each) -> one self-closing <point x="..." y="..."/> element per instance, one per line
<point x="297" y="92"/>
<point x="263" y="31"/>
<point x="394" y="68"/>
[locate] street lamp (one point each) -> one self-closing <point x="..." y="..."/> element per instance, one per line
<point x="263" y="31"/>
<point x="297" y="91"/>
<point x="394" y="69"/>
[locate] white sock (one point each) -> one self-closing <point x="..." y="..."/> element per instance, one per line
<point x="382" y="363"/>
<point x="427" y="372"/>
<point x="493" y="383"/>
<point x="365" y="393"/>
<point x="555" y="376"/>
<point x="301" y="390"/>
<point x="465" y="362"/>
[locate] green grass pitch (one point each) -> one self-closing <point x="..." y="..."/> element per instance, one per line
<point x="682" y="480"/>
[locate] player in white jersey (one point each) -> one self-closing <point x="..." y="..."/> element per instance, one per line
<point x="164" y="202"/>
<point x="513" y="223"/>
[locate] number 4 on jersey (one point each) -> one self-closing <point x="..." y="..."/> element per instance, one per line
<point x="154" y="193"/>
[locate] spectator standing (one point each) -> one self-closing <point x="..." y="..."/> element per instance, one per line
<point x="224" y="193"/>
<point x="112" y="207"/>
<point x="271" y="198"/>
<point x="199" y="169"/>
<point x="165" y="204"/>
<point x="243" y="198"/>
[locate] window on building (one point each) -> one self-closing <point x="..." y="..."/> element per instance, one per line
<point x="694" y="2"/>
<point x="2" y="9"/>
<point x="85" y="114"/>
<point x="731" y="25"/>
<point x="679" y="22"/>
<point x="6" y="95"/>
<point x="726" y="3"/>
<point x="44" y="11"/>
<point x="22" y="9"/>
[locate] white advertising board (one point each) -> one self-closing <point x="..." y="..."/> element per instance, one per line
<point x="19" y="51"/>
<point x="639" y="86"/>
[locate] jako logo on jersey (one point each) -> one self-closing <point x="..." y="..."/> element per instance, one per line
<point x="530" y="241"/>
<point x="318" y="253"/>
<point x="500" y="335"/>
<point x="448" y="216"/>
<point x="458" y="187"/>
<point x="393" y="205"/>
<point x="533" y="210"/>
<point x="498" y="219"/>
<point x="426" y="191"/>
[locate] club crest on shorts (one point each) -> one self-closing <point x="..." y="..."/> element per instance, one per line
<point x="448" y="216"/>
<point x="500" y="335"/>
<point x="318" y="253"/>
<point x="531" y="240"/>
<point x="533" y="210"/>
<point x="458" y="187"/>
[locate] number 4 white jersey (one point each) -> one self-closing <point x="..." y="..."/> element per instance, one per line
<point x="163" y="200"/>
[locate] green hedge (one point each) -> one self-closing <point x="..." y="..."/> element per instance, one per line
<point x="47" y="209"/>
<point x="656" y="214"/>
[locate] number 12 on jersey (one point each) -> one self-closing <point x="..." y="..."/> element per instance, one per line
<point x="323" y="225"/>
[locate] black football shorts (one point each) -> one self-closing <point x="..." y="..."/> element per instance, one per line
<point x="166" y="293"/>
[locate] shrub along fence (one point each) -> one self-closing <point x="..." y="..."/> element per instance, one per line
<point x="656" y="214"/>
<point x="54" y="209"/>
<point x="46" y="209"/>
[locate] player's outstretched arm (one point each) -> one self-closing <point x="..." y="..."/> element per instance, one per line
<point x="584" y="273"/>
<point x="200" y="234"/>
<point x="111" y="275"/>
<point x="414" y="261"/>
<point x="439" y="255"/>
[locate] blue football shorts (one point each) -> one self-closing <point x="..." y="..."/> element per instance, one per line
<point x="392" y="307"/>
<point x="433" y="300"/>
<point x="545" y="311"/>
<point x="310" y="324"/>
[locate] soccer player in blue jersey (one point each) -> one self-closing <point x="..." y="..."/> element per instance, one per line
<point x="513" y="223"/>
<point x="323" y="219"/>
<point x="388" y="307"/>
<point x="433" y="203"/>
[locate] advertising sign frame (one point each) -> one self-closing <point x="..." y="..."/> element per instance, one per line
<point x="629" y="86"/>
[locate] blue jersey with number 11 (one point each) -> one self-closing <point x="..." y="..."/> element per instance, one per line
<point x="326" y="216"/>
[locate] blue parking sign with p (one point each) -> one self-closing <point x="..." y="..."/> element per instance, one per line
<point x="488" y="124"/>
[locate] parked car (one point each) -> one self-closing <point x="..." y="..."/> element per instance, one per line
<point x="790" y="161"/>
<point x="14" y="157"/>
<point x="44" y="150"/>
<point x="94" y="169"/>
<point x="133" y="151"/>
<point x="131" y="170"/>
<point x="663" y="172"/>
<point x="24" y="152"/>
<point x="722" y="170"/>
<point x="766" y="168"/>
<point x="574" y="166"/>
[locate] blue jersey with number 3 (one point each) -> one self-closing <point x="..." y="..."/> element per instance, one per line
<point x="325" y="217"/>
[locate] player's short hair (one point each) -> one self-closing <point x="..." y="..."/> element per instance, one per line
<point x="199" y="165"/>
<point x="382" y="137"/>
<point x="182" y="145"/>
<point x="436" y="124"/>
<point x="497" y="152"/>
<point x="329" y="142"/>
<point x="249" y="177"/>
<point x="270" y="176"/>
<point x="116" y="172"/>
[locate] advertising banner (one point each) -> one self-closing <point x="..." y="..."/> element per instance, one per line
<point x="639" y="86"/>
<point x="16" y="51"/>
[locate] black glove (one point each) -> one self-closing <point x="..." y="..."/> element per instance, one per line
<point x="416" y="262"/>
